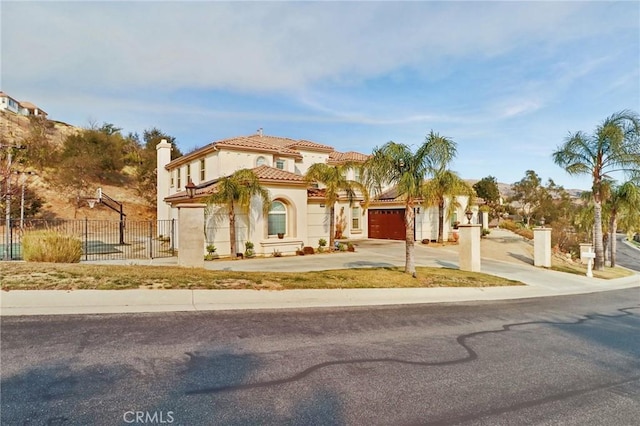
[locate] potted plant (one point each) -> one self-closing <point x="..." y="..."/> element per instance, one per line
<point x="211" y="252"/>
<point x="322" y="243"/>
<point x="248" y="249"/>
<point x="281" y="235"/>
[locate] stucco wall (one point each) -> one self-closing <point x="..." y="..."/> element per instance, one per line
<point x="317" y="223"/>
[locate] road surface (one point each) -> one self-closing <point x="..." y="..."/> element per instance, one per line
<point x="566" y="360"/>
<point x="626" y="256"/>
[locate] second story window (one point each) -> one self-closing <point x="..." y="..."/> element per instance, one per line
<point x="202" y="170"/>
<point x="188" y="172"/>
<point x="179" y="178"/>
<point x="173" y="173"/>
<point x="260" y="161"/>
<point x="280" y="164"/>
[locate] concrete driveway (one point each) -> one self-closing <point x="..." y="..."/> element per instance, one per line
<point x="500" y="245"/>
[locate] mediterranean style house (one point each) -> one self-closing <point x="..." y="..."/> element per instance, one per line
<point x="299" y="214"/>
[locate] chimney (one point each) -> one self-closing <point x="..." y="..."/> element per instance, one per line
<point x="260" y="132"/>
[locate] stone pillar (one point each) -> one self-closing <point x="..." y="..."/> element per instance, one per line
<point x="163" y="157"/>
<point x="191" y="235"/>
<point x="469" y="247"/>
<point x="542" y="247"/>
<point x="485" y="219"/>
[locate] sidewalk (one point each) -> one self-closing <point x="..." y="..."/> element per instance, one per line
<point x="539" y="283"/>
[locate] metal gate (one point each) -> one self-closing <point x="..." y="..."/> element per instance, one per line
<point x="101" y="239"/>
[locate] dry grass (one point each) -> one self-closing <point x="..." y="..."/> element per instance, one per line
<point x="607" y="274"/>
<point x="563" y="265"/>
<point x="32" y="276"/>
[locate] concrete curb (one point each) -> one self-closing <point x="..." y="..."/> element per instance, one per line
<point x="61" y="302"/>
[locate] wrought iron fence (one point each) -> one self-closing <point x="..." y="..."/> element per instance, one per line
<point x="101" y="239"/>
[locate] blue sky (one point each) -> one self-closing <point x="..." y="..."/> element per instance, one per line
<point x="506" y="80"/>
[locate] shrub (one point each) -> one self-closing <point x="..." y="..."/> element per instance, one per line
<point x="249" y="252"/>
<point x="351" y="247"/>
<point x="342" y="247"/>
<point x="485" y="232"/>
<point x="322" y="242"/>
<point x="509" y="225"/>
<point x="211" y="248"/>
<point x="51" y="246"/>
<point x="526" y="233"/>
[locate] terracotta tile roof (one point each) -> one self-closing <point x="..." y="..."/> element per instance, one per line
<point x="316" y="193"/>
<point x="260" y="143"/>
<point x="272" y="140"/>
<point x="202" y="190"/>
<point x="291" y="143"/>
<point x="266" y="173"/>
<point x="276" y="145"/>
<point x="336" y="157"/>
<point x="311" y="146"/>
<point x="253" y="142"/>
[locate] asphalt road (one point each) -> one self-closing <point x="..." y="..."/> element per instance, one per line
<point x="626" y="256"/>
<point x="566" y="360"/>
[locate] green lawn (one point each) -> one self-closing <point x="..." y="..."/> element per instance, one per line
<point x="52" y="276"/>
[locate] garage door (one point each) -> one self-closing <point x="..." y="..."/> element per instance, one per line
<point x="387" y="224"/>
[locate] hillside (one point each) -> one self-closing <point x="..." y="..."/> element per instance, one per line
<point x="17" y="130"/>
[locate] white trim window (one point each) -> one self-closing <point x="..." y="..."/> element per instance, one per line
<point x="179" y="178"/>
<point x="355" y="218"/>
<point x="202" y="170"/>
<point x="260" y="161"/>
<point x="280" y="164"/>
<point x="277" y="218"/>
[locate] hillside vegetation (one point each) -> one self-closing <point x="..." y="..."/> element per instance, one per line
<point x="62" y="165"/>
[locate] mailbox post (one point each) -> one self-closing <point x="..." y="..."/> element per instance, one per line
<point x="590" y="256"/>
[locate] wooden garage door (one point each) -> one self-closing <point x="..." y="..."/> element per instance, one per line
<point x="387" y="224"/>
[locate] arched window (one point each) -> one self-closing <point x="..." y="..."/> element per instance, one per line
<point x="277" y="218"/>
<point x="260" y="161"/>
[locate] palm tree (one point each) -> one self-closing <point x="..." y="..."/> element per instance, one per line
<point x="624" y="202"/>
<point x="395" y="164"/>
<point x="237" y="190"/>
<point x="614" y="147"/>
<point x="446" y="184"/>
<point x="336" y="183"/>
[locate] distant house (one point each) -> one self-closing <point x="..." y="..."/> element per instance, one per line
<point x="299" y="213"/>
<point x="27" y="108"/>
<point x="7" y="103"/>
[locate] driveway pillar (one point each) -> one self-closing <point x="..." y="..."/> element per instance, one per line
<point x="191" y="235"/>
<point x="542" y="247"/>
<point x="469" y="247"/>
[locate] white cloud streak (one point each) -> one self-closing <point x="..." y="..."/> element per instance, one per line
<point x="267" y="46"/>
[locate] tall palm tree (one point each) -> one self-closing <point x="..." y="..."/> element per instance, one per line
<point x="446" y="184"/>
<point x="396" y="165"/>
<point x="334" y="178"/>
<point x="237" y="190"/>
<point x="624" y="202"/>
<point x="614" y="147"/>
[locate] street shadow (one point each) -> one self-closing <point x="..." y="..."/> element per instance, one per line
<point x="447" y="264"/>
<point x="521" y="258"/>
<point x="208" y="386"/>
<point x="367" y="264"/>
